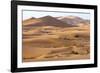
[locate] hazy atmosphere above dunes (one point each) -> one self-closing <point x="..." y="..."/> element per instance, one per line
<point x="58" y="37"/>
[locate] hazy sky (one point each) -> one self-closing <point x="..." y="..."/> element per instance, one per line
<point x="37" y="14"/>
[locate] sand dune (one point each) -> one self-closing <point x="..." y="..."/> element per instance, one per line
<point x="49" y="43"/>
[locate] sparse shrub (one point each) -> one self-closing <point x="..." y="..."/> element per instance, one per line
<point x="74" y="52"/>
<point x="76" y="36"/>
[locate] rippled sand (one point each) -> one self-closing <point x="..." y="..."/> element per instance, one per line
<point x="48" y="43"/>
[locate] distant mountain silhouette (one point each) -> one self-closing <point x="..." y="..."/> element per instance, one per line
<point x="29" y="21"/>
<point x="51" y="21"/>
<point x="46" y="21"/>
<point x="73" y="20"/>
<point x="67" y="21"/>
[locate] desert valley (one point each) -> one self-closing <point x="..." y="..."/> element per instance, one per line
<point x="51" y="38"/>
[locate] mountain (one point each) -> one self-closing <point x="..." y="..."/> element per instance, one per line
<point x="45" y="21"/>
<point x="73" y="20"/>
<point x="87" y="21"/>
<point x="62" y="21"/>
<point x="30" y="21"/>
<point x="52" y="21"/>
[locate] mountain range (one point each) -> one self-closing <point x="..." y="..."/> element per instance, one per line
<point x="67" y="21"/>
